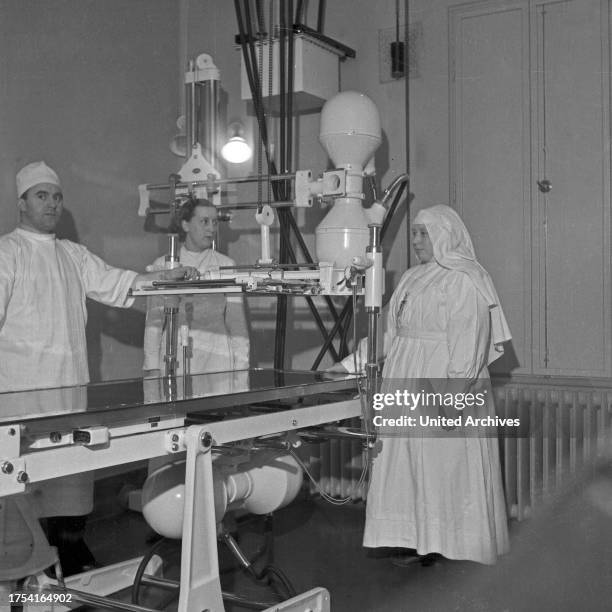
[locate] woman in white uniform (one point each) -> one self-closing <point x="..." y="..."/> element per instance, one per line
<point x="217" y="324"/>
<point x="436" y="491"/>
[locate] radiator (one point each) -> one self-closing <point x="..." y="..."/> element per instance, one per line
<point x="337" y="466"/>
<point x="565" y="427"/>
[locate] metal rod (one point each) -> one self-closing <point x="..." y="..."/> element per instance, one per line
<point x="247" y="603"/>
<point x="162" y="583"/>
<point x="339" y="433"/>
<point x="402" y="178"/>
<point x="190" y="111"/>
<point x="209" y="137"/>
<point x="373" y="305"/>
<point x="345" y="51"/>
<point x="103" y="602"/>
<point x="229" y="181"/>
<point x="171" y="324"/>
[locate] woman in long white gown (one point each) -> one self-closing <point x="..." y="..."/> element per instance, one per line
<point x="440" y="492"/>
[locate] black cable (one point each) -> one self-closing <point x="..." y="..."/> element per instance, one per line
<point x="299" y="11"/>
<point x="330" y="337"/>
<point x="281" y="189"/>
<point x="256" y="92"/>
<point x="392" y="209"/>
<point x="277" y="573"/>
<point x="407" y="107"/>
<point x="261" y="21"/>
<point x="250" y="64"/>
<point x="343" y="348"/>
<point x="142" y="567"/>
<point x="247" y="61"/>
<point x="321" y="16"/>
<point x="321" y="324"/>
<point x="289" y="92"/>
<point x="282" y="54"/>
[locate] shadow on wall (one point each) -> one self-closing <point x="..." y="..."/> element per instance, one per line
<point x="124" y="325"/>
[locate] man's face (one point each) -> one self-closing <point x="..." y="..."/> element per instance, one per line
<point x="201" y="229"/>
<point x="41" y="207"/>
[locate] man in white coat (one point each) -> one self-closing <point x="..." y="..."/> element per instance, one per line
<point x="44" y="283"/>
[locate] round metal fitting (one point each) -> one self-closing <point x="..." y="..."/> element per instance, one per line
<point x="7" y="467"/>
<point x="206" y="439"/>
<point x="22" y="477"/>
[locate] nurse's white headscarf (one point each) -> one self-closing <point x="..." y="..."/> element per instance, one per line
<point x="453" y="249"/>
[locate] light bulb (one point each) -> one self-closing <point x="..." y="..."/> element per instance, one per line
<point x="236" y="150"/>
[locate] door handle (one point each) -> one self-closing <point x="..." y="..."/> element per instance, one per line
<point x="545" y="186"/>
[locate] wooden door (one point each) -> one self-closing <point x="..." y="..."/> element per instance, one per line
<point x="530" y="171"/>
<point x="571" y="247"/>
<point x="490" y="152"/>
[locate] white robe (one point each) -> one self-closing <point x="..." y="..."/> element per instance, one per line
<point x="44" y="283"/>
<point x="440" y="494"/>
<point x="215" y="346"/>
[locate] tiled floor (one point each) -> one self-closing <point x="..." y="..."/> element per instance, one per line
<point x="561" y="560"/>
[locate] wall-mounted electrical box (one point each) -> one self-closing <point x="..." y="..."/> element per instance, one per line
<point x="315" y="73"/>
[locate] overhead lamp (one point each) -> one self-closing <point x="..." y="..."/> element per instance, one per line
<point x="236" y="150"/>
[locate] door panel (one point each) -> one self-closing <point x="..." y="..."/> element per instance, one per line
<point x="572" y="220"/>
<point x="490" y="138"/>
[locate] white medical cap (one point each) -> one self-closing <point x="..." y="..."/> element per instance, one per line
<point x="34" y="174"/>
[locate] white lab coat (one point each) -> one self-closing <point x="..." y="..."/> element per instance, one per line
<point x="437" y="494"/>
<point x="217" y="325"/>
<point x="44" y="283"/>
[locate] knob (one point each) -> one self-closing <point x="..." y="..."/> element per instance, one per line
<point x="545" y="186"/>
